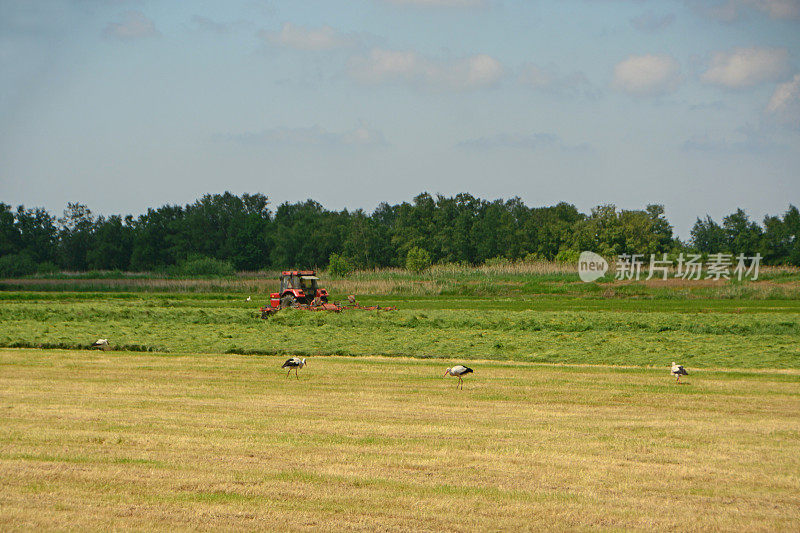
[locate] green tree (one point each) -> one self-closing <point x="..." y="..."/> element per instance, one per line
<point x="418" y="260"/>
<point x="155" y="241"/>
<point x="780" y="243"/>
<point x="75" y="237"/>
<point x="339" y="266"/>
<point x="112" y="244"/>
<point x="660" y="227"/>
<point x="10" y="238"/>
<point x="38" y="234"/>
<point x="708" y="236"/>
<point x="19" y="264"/>
<point x="742" y="235"/>
<point x="199" y="265"/>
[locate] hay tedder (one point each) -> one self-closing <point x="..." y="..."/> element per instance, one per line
<point x="299" y="290"/>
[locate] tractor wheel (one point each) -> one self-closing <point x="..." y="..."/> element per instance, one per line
<point x="288" y="301"/>
<point x="324" y="299"/>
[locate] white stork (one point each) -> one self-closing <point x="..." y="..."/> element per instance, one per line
<point x="102" y="344"/>
<point x="294" y="363"/>
<point x="248" y="299"/>
<point x="678" y="371"/>
<point x="458" y="371"/>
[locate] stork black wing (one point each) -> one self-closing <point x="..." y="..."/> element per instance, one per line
<point x="289" y="363"/>
<point x="468" y="370"/>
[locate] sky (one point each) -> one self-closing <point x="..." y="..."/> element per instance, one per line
<point x="129" y="104"/>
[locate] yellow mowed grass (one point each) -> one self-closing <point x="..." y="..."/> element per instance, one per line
<point x="92" y="440"/>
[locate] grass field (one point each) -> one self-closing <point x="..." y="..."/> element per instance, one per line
<point x="93" y="440"/>
<point x="570" y="421"/>
<point x="699" y="333"/>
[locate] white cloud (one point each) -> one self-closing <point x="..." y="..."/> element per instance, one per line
<point x="134" y="25"/>
<point x="744" y="67"/>
<point x="479" y="70"/>
<point x="300" y="38"/>
<point x="647" y="75"/>
<point x="392" y="66"/>
<point x="785" y="94"/>
<point x="785" y="102"/>
<point x="537" y="77"/>
<point x="732" y="10"/>
<point x="551" y="80"/>
<point x="382" y="65"/>
<point x="362" y="136"/>
<point x="778" y="9"/>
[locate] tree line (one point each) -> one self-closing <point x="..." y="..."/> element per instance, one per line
<point x="245" y="233"/>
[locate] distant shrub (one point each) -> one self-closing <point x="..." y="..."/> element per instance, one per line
<point x="48" y="267"/>
<point x="200" y="265"/>
<point x="339" y="266"/>
<point x="567" y="256"/>
<point x="497" y="261"/>
<point x="14" y="265"/>
<point x="418" y="260"/>
<point x="532" y="258"/>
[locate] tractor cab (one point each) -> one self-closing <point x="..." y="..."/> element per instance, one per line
<point x="294" y="281"/>
<point x="299" y="287"/>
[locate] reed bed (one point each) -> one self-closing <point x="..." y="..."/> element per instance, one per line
<point x="492" y="280"/>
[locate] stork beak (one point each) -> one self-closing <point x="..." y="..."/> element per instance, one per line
<point x="446" y="372"/>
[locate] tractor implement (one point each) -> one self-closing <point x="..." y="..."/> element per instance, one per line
<point x="299" y="290"/>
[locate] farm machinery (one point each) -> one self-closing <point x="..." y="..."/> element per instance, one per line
<point x="299" y="290"/>
<point x="299" y="287"/>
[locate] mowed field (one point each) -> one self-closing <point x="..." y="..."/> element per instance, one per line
<point x="570" y="421"/>
<point x="104" y="440"/>
<point x="697" y="333"/>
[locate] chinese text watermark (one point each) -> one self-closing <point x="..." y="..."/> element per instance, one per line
<point x="719" y="266"/>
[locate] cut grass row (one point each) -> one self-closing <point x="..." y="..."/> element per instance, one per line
<point x="140" y="441"/>
<point x="506" y="303"/>
<point x="762" y="337"/>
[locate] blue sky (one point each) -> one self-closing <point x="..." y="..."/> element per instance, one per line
<point x="125" y="105"/>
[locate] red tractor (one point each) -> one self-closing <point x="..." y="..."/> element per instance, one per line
<point x="298" y="287"/>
